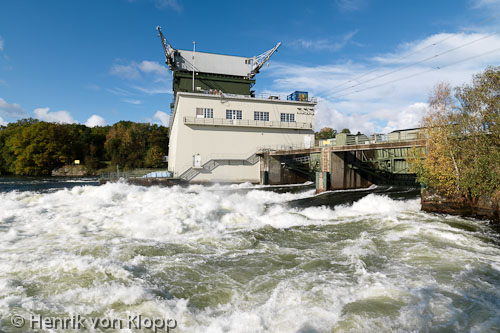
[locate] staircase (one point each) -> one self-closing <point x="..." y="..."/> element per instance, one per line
<point x="190" y="173"/>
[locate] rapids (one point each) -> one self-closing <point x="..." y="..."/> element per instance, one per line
<point x="243" y="258"/>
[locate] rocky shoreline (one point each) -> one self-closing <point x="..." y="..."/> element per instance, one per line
<point x="72" y="171"/>
<point x="484" y="208"/>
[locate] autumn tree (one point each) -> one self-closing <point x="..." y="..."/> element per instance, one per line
<point x="325" y="133"/>
<point x="462" y="132"/>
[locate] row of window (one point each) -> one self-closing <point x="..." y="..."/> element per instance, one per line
<point x="238" y="115"/>
<point x="263" y="116"/>
<point x="287" y="117"/>
<point x="204" y="113"/>
<point x="234" y="114"/>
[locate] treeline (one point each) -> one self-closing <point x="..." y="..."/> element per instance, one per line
<point x="462" y="130"/>
<point x="32" y="147"/>
<point x="328" y="133"/>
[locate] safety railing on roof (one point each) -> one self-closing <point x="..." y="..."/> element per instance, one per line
<point x="279" y="97"/>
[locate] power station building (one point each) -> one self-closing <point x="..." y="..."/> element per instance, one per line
<point x="218" y="125"/>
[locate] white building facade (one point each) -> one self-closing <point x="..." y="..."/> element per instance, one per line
<point x="214" y="137"/>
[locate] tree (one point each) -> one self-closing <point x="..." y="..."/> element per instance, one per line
<point x="346" y="130"/>
<point x="478" y="121"/>
<point x="462" y="133"/>
<point x="32" y="147"/>
<point x="154" y="157"/>
<point x="39" y="148"/>
<point x="128" y="144"/>
<point x="325" y="133"/>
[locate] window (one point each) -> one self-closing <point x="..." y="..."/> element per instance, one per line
<point x="259" y="115"/>
<point x="204" y="113"/>
<point x="233" y="114"/>
<point x="208" y="113"/>
<point x="287" y="117"/>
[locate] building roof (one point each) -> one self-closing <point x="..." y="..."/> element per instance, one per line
<point x="407" y="129"/>
<point x="212" y="63"/>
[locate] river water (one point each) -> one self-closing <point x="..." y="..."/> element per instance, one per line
<point x="243" y="258"/>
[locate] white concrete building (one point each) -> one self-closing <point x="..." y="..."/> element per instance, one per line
<point x="214" y="138"/>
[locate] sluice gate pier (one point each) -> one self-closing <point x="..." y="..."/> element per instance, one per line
<point x="349" y="165"/>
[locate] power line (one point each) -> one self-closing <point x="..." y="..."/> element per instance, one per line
<point x="419" y="73"/>
<point x="378" y="68"/>
<point x="413" y="64"/>
<point x="399" y="59"/>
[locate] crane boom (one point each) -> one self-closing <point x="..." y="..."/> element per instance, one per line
<point x="167" y="48"/>
<point x="261" y="59"/>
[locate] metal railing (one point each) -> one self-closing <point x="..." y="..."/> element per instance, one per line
<point x="284" y="147"/>
<point x="136" y="173"/>
<point x="279" y="97"/>
<point x="375" y="138"/>
<point x="246" y="123"/>
<point x="211" y="164"/>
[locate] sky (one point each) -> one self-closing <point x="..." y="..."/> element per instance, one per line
<point x="370" y="64"/>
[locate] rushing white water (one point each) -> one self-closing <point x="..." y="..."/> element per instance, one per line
<point x="240" y="259"/>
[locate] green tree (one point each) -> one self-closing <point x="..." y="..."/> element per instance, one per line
<point x="154" y="157"/>
<point x="345" y="130"/>
<point x="128" y="143"/>
<point x="39" y="148"/>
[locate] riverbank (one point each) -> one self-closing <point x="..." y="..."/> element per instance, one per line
<point x="484" y="208"/>
<point x="72" y="171"/>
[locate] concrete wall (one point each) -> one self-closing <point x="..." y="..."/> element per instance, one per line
<point x="344" y="175"/>
<point x="232" y="143"/>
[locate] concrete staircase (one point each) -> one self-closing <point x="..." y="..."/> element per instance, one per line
<point x="190" y="173"/>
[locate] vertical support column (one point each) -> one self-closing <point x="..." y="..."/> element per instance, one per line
<point x="264" y="168"/>
<point x="338" y="171"/>
<point x="323" y="176"/>
<point x="274" y="170"/>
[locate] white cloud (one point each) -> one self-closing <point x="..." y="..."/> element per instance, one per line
<point x="119" y="91"/>
<point x="133" y="101"/>
<point x="162" y="117"/>
<point x="153" y="67"/>
<point x="408" y="117"/>
<point x="95" y="120"/>
<point x="129" y="71"/>
<point x="1" y="43"/>
<point x="134" y="70"/>
<point x="484" y="3"/>
<point x="10" y="110"/>
<point x="63" y="117"/>
<point x="154" y="90"/>
<point x="2" y="122"/>
<point x="324" y="44"/>
<point x="388" y="91"/>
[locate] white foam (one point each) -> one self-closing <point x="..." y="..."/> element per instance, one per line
<point x="82" y="250"/>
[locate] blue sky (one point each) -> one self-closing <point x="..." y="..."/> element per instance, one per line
<point x="98" y="62"/>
